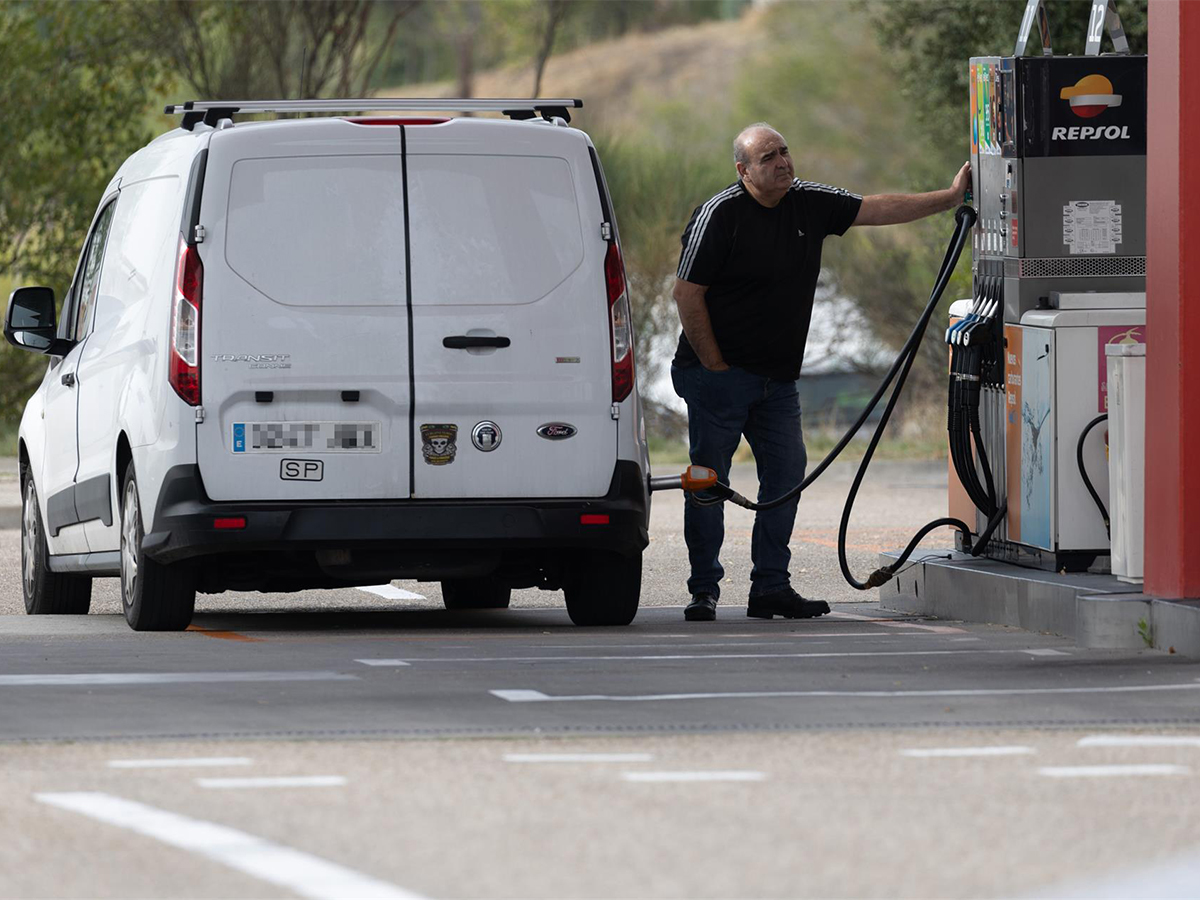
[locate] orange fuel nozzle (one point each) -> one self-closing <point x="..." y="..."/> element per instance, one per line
<point x="697" y="478"/>
<point x="694" y="478"/>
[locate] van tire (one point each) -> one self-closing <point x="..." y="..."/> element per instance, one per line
<point x="155" y="597"/>
<point x="604" y="588"/>
<point x="46" y="593"/>
<point x="475" y="593"/>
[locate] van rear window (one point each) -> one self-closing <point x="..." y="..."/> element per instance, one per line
<point x="319" y="230"/>
<point x="491" y="229"/>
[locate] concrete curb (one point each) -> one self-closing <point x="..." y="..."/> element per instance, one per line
<point x="1097" y="611"/>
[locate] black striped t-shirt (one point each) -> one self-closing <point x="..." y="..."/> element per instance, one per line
<point x="761" y="266"/>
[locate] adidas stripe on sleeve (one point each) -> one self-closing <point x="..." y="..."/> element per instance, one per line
<point x="705" y="246"/>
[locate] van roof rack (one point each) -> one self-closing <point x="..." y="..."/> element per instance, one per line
<point x="211" y="111"/>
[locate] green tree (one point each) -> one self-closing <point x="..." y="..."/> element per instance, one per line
<point x="282" y="49"/>
<point x="75" y="85"/>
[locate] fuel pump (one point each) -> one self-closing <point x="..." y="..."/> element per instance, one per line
<point x="1058" y="269"/>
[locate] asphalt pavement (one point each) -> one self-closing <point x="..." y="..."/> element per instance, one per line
<point x="368" y="742"/>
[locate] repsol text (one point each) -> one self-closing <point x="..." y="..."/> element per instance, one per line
<point x="1091" y="132"/>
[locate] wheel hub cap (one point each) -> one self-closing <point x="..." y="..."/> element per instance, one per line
<point x="129" y="543"/>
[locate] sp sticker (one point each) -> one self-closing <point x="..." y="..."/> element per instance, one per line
<point x="301" y="469"/>
<point x="438" y="444"/>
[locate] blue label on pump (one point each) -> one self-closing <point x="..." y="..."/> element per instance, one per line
<point x="239" y="437"/>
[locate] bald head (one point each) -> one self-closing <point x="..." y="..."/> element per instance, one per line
<point x="764" y="165"/>
<point x="748" y="137"/>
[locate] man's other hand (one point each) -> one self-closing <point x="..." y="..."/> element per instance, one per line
<point x="962" y="181"/>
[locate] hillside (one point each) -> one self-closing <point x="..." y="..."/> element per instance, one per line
<point x="623" y="79"/>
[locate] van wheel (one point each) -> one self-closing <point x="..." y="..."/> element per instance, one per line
<point x="604" y="588"/>
<point x="156" y="597"/>
<point x="475" y="593"/>
<point x="46" y="593"/>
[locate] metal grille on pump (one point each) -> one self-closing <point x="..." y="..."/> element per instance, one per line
<point x="1085" y="267"/>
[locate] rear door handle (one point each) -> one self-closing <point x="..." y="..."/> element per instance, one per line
<point x="69" y="379"/>
<point x="469" y="341"/>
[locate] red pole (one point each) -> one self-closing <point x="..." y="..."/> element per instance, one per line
<point x="1172" y="560"/>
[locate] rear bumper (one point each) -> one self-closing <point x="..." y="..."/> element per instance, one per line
<point x="184" y="522"/>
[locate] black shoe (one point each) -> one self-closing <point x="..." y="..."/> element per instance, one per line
<point x="787" y="604"/>
<point x="703" y="608"/>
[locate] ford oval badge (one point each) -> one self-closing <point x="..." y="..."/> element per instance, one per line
<point x="557" y="431"/>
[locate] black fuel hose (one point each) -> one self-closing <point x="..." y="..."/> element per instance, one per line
<point x="964" y="218"/>
<point x="1087" y="482"/>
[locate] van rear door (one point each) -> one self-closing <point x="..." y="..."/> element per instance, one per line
<point x="511" y="345"/>
<point x="304" y="321"/>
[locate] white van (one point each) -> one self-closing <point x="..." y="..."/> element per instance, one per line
<point x="325" y="352"/>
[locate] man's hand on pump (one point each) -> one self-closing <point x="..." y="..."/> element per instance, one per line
<point x="962" y="182"/>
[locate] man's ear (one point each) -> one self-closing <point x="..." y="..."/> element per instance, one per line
<point x="741" y="169"/>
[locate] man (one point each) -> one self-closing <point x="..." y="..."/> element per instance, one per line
<point x="744" y="289"/>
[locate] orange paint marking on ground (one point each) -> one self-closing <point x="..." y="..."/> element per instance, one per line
<point x="223" y="635"/>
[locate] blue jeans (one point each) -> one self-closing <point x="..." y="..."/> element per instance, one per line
<point x="722" y="406"/>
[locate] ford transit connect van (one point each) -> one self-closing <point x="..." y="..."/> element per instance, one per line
<point x="325" y="352"/>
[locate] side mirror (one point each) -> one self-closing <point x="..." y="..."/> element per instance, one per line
<point x="29" y="323"/>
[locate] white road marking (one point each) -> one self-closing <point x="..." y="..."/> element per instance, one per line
<point x="1046" y="651"/>
<point x="284" y="781"/>
<point x="1139" y="740"/>
<point x="1112" y="771"/>
<point x="391" y="592"/>
<point x="578" y="757"/>
<point x="382" y="662"/>
<point x="531" y="696"/>
<point x="935" y="752"/>
<point x="693" y="776"/>
<point x="900" y="623"/>
<point x="179" y="763"/>
<point x="1171" y="879"/>
<point x="824" y="654"/>
<point x="306" y="875"/>
<point x="157" y="678"/>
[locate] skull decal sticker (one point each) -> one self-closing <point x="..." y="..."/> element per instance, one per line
<point x="438" y="444"/>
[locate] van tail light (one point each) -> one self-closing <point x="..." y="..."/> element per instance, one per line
<point x="184" y="368"/>
<point x="620" y="323"/>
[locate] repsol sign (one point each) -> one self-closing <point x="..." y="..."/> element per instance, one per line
<point x="1090" y="132"/>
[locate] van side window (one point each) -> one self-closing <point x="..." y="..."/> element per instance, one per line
<point x="89" y="283"/>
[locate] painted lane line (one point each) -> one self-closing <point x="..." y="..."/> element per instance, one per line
<point x="759" y="640"/>
<point x="578" y="757"/>
<point x="157" y="678"/>
<point x="825" y="654"/>
<point x="391" y="592"/>
<point x="531" y="696"/>
<point x="900" y="623"/>
<point x="1046" y="651"/>
<point x="693" y="776"/>
<point x="382" y="662"/>
<point x="282" y="781"/>
<point x="1139" y="740"/>
<point x="1112" y="771"/>
<point x="938" y="752"/>
<point x="180" y="763"/>
<point x="303" y="873"/>
<point x="1170" y="879"/>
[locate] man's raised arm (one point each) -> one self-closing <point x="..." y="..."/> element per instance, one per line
<point x="894" y="209"/>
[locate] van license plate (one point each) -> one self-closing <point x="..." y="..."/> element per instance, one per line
<point x="301" y="469"/>
<point x="323" y="437"/>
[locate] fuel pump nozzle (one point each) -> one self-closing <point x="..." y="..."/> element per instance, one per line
<point x="696" y="479"/>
